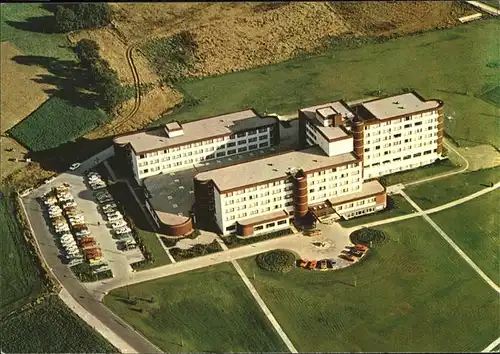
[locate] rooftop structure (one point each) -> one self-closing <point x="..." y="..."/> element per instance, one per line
<point x="218" y="126"/>
<point x="333" y="130"/>
<point x="396" y="106"/>
<point x="273" y="168"/>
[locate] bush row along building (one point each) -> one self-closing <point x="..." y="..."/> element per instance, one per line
<point x="342" y="150"/>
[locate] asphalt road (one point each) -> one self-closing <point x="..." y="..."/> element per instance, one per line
<point x="67" y="279"/>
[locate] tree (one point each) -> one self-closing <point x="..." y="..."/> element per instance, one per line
<point x="77" y="16"/>
<point x="87" y="51"/>
<point x="65" y="19"/>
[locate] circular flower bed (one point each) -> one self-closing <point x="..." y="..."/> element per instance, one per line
<point x="279" y="261"/>
<point x="368" y="236"/>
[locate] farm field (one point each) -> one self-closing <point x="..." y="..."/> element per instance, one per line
<point x="207" y="310"/>
<point x="412" y="293"/>
<point x="7" y="167"/>
<point x="50" y="327"/>
<point x="19" y="277"/>
<point x="475" y="228"/>
<point x="434" y="193"/>
<point x="29" y="28"/>
<point x="21" y="95"/>
<point x="56" y="122"/>
<point x="287" y="86"/>
<point x="396" y="206"/>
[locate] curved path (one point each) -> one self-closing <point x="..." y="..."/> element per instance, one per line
<point x="118" y="122"/>
<point x="448" y="174"/>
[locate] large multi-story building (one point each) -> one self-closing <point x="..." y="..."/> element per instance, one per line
<point x="177" y="146"/>
<point x="390" y="135"/>
<point x="342" y="149"/>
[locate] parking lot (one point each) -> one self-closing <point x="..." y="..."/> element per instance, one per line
<point x="118" y="261"/>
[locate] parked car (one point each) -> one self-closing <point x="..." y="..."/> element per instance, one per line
<point x="49" y="180"/>
<point x="323" y="264"/>
<point x="118" y="224"/>
<point x="75" y="166"/>
<point x="347" y="257"/>
<point x="115" y="217"/>
<point x="312" y="265"/>
<point x="123" y="230"/>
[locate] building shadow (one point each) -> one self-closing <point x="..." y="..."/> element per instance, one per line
<point x="58" y="159"/>
<point x="71" y="82"/>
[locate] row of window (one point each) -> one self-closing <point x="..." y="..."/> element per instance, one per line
<point x="405" y="119"/>
<point x="211" y="141"/>
<point x="197" y="159"/>
<point x="406" y="157"/>
<point x="358" y="203"/>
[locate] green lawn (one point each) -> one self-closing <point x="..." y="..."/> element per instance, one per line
<point x="494" y="3"/>
<point x="396" y="206"/>
<point x="207" y="310"/>
<point x="444" y="56"/>
<point x="475" y="228"/>
<point x="56" y="122"/>
<point x="19" y="278"/>
<point x="413" y="293"/>
<point x="416" y="174"/>
<point x="50" y="327"/>
<point x="442" y="191"/>
<point x="23" y="26"/>
<point x="154" y="246"/>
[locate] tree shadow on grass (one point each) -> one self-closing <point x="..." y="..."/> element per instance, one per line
<point x="40" y="24"/>
<point x="72" y="83"/>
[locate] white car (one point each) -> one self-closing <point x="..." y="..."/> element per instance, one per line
<point x="118" y="224"/>
<point x="75" y="166"/>
<point x="123" y="230"/>
<point x="115" y="218"/>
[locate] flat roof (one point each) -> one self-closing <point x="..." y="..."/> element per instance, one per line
<point x="202" y="129"/>
<point x="169" y="200"/>
<point x="328" y="109"/>
<point x="273" y="168"/>
<point x="398" y="105"/>
<point x="368" y="188"/>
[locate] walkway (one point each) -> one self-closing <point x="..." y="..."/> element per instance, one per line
<point x="449" y="147"/>
<point x="450" y="241"/>
<point x="485" y="7"/>
<point x="259" y="300"/>
<point x="492" y="346"/>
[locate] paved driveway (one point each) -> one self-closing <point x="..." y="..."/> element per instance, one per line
<point x="63" y="273"/>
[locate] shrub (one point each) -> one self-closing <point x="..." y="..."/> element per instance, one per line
<point x="171" y="57"/>
<point x="369" y="236"/>
<point x="279" y="261"/>
<point x="72" y="17"/>
<point x="195" y="251"/>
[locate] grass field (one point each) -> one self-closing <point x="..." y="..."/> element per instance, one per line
<point x="56" y="122"/>
<point x="154" y="246"/>
<point x="396" y="206"/>
<point x="399" y="63"/>
<point x="50" y="327"/>
<point x="208" y="310"/>
<point x="442" y="191"/>
<point x="475" y="227"/>
<point x="19" y="278"/>
<point x="28" y="27"/>
<point x="418" y="173"/>
<point x="413" y="293"/>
